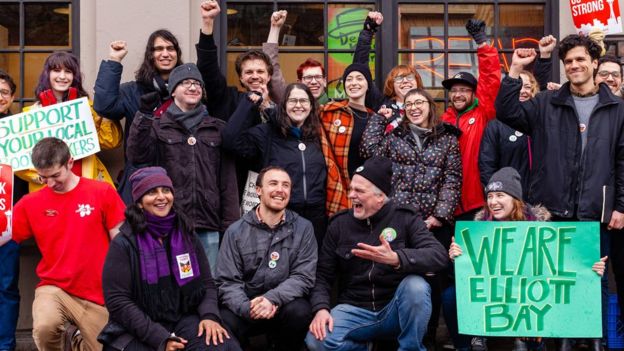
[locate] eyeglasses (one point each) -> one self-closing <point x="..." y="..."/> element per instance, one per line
<point x="409" y="78"/>
<point x="605" y="74"/>
<point x="294" y="102"/>
<point x="186" y="84"/>
<point x="5" y="93"/>
<point x="415" y="104"/>
<point x="163" y="48"/>
<point x="460" y="90"/>
<point x="308" y="79"/>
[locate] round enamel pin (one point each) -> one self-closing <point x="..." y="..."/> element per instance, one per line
<point x="272" y="264"/>
<point x="471" y="121"/>
<point x="302" y="146"/>
<point x="389" y="234"/>
<point x="191" y="141"/>
<point x="582" y="127"/>
<point x="342" y="129"/>
<point x="337" y="123"/>
<point x="513" y="138"/>
<point x="275" y="256"/>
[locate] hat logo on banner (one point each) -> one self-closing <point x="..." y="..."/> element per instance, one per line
<point x="596" y="14"/>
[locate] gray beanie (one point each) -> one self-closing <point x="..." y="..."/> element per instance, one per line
<point x="506" y="180"/>
<point x="182" y="72"/>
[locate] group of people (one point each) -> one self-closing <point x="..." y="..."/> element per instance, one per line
<point x="352" y="240"/>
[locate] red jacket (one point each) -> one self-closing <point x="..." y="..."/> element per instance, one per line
<point x="472" y="123"/>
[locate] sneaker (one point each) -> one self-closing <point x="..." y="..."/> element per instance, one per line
<point x="478" y="343"/>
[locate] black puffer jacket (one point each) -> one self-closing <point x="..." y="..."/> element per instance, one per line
<point x="502" y="146"/>
<point x="429" y="179"/>
<point x="203" y="177"/>
<point x="306" y="167"/>
<point x="364" y="283"/>
<point x="562" y="178"/>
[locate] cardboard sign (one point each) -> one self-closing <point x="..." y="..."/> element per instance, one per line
<point x="250" y="197"/>
<point x="6" y="202"/>
<point x="602" y="14"/>
<point x="528" y="279"/>
<point x="71" y="121"/>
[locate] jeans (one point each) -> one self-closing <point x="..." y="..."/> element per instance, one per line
<point x="210" y="242"/>
<point x="9" y="294"/>
<point x="404" y="318"/>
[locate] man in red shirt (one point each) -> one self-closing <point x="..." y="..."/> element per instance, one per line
<point x="72" y="220"/>
<point x="471" y="107"/>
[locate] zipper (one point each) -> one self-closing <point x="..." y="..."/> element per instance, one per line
<point x="370" y="278"/>
<point x="305" y="183"/>
<point x="194" y="182"/>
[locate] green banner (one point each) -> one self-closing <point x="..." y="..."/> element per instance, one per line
<point x="528" y="279"/>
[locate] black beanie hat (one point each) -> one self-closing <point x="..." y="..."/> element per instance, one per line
<point x="506" y="180"/>
<point x="359" y="67"/>
<point x="378" y="170"/>
<point x="182" y="72"/>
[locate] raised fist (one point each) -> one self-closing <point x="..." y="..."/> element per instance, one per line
<point x="476" y="29"/>
<point x="523" y="57"/>
<point x="117" y="50"/>
<point x="373" y="21"/>
<point x="278" y="18"/>
<point x="209" y="10"/>
<point x="547" y="45"/>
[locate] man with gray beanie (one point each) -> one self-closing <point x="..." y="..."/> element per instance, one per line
<point x="380" y="250"/>
<point x="186" y="141"/>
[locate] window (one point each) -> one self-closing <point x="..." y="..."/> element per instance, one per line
<point x="428" y="34"/>
<point x="29" y="32"/>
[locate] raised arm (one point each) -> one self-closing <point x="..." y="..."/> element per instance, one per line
<point x="519" y="116"/>
<point x="543" y="65"/>
<point x="239" y="135"/>
<point x="271" y="48"/>
<point x="374" y="97"/>
<point x="107" y="100"/>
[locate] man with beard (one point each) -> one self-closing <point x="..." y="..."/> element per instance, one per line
<point x="267" y="267"/>
<point x="610" y="73"/>
<point x="471" y="106"/>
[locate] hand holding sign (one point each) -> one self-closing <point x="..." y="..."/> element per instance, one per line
<point x="381" y="254"/>
<point x="455" y="250"/>
<point x="599" y="267"/>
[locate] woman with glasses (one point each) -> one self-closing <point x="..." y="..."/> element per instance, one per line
<point x="426" y="172"/>
<point x="61" y="81"/>
<point x="400" y="80"/>
<point x="291" y="140"/>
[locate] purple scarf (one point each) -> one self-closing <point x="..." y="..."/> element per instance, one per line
<point x="153" y="255"/>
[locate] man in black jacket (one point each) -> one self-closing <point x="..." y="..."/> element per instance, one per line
<point x="379" y="250"/>
<point x="578" y="140"/>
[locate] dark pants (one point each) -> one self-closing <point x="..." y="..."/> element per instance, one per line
<point x="440" y="281"/>
<point x="287" y="329"/>
<point x="187" y="329"/>
<point x="617" y="262"/>
<point x="9" y="295"/>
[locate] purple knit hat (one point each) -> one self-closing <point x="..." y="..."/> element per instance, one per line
<point x="148" y="178"/>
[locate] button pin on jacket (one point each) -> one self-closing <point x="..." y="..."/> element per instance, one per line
<point x="471" y="121"/>
<point x="342" y="129"/>
<point x="302" y="146"/>
<point x="513" y="138"/>
<point x="337" y="123"/>
<point x="582" y="127"/>
<point x="272" y="264"/>
<point x="275" y="256"/>
<point x="191" y="141"/>
<point x="518" y="134"/>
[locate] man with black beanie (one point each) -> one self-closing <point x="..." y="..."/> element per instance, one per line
<point x="381" y="250"/>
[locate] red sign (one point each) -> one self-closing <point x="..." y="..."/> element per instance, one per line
<point x="6" y="201"/>
<point x="601" y="14"/>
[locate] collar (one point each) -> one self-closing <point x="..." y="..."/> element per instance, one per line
<point x="563" y="96"/>
<point x="474" y="104"/>
<point x="280" y="222"/>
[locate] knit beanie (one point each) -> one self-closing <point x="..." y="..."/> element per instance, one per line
<point x="378" y="170"/>
<point x="182" y="72"/>
<point x="359" y="67"/>
<point x="506" y="180"/>
<point x="148" y="178"/>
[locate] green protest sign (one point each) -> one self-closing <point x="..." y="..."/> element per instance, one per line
<point x="528" y="279"/>
<point x="71" y="121"/>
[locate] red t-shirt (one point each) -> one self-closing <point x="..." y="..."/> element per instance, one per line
<point x="71" y="230"/>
